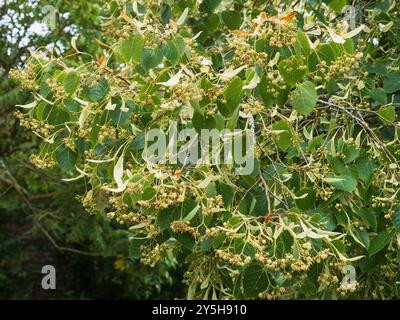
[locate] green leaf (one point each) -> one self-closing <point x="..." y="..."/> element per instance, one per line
<point x="206" y="244"/>
<point x="379" y="242"/>
<point x="255" y="280"/>
<point x="283" y="96"/>
<point x="368" y="216"/>
<point x="337" y="5"/>
<point x="149" y="193"/>
<point x="134" y="198"/>
<point x="233" y="95"/>
<point x="227" y="194"/>
<point x="396" y="219"/>
<point x="322" y="52"/>
<point x="234" y="90"/>
<point x="232" y="19"/>
<point x="54" y="115"/>
<point x="315" y="142"/>
<point x="283" y="134"/>
<point x="166" y="11"/>
<point x="304" y="43"/>
<point x="349" y="46"/>
<point x="366" y="168"/>
<point x="385" y="5"/>
<point x="219" y="240"/>
<point x="342" y="182"/>
<point x="350" y="153"/>
<point x="166" y="217"/>
<point x="378" y="95"/>
<point x="291" y="70"/>
<point x="120" y="116"/>
<point x="99" y="92"/>
<point x="185" y="239"/>
<point x="192" y="213"/>
<point x="44" y="87"/>
<point x="132" y="48"/>
<point x="71" y="105"/>
<point x="134" y="248"/>
<point x="138" y="142"/>
<point x="304" y="98"/>
<point x="217" y="61"/>
<point x="71" y="82"/>
<point x="173" y="52"/>
<point x="391" y="83"/>
<point x="209" y="5"/>
<point x="388" y="113"/>
<point x="202" y="122"/>
<point x="180" y="45"/>
<point x="363" y="236"/>
<point x="152" y="58"/>
<point x="66" y="158"/>
<point x="308" y="202"/>
<point x="212" y="23"/>
<point x="264" y="93"/>
<point x="376" y="68"/>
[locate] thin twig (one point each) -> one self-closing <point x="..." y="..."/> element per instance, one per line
<point x="365" y="126"/>
<point x="9" y="179"/>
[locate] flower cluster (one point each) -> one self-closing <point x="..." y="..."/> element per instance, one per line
<point x="150" y="256"/>
<point x="25" y="77"/>
<point x="167" y="195"/>
<point x="42" y="162"/>
<point x="184" y="227"/>
<point x="246" y="54"/>
<point x="231" y="258"/>
<point x="346" y="287"/>
<point x="275" y="294"/>
<point x="40" y="127"/>
<point x="327" y="279"/>
<point x="254" y="106"/>
<point x="57" y="89"/>
<point x="282" y="34"/>
<point x="339" y="67"/>
<point x="214" y="205"/>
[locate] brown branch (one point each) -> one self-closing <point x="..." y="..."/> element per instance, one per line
<point x="267" y="191"/>
<point x="36" y="197"/>
<point x="366" y="127"/>
<point x="9" y="179"/>
<point x="62" y="248"/>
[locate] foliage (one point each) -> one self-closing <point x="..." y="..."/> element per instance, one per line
<point x="91" y="254"/>
<point x="323" y="99"/>
<point x="40" y="220"/>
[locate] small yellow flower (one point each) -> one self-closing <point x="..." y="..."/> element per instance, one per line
<point x="119" y="263"/>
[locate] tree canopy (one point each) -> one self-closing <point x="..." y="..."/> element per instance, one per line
<point x="318" y="82"/>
